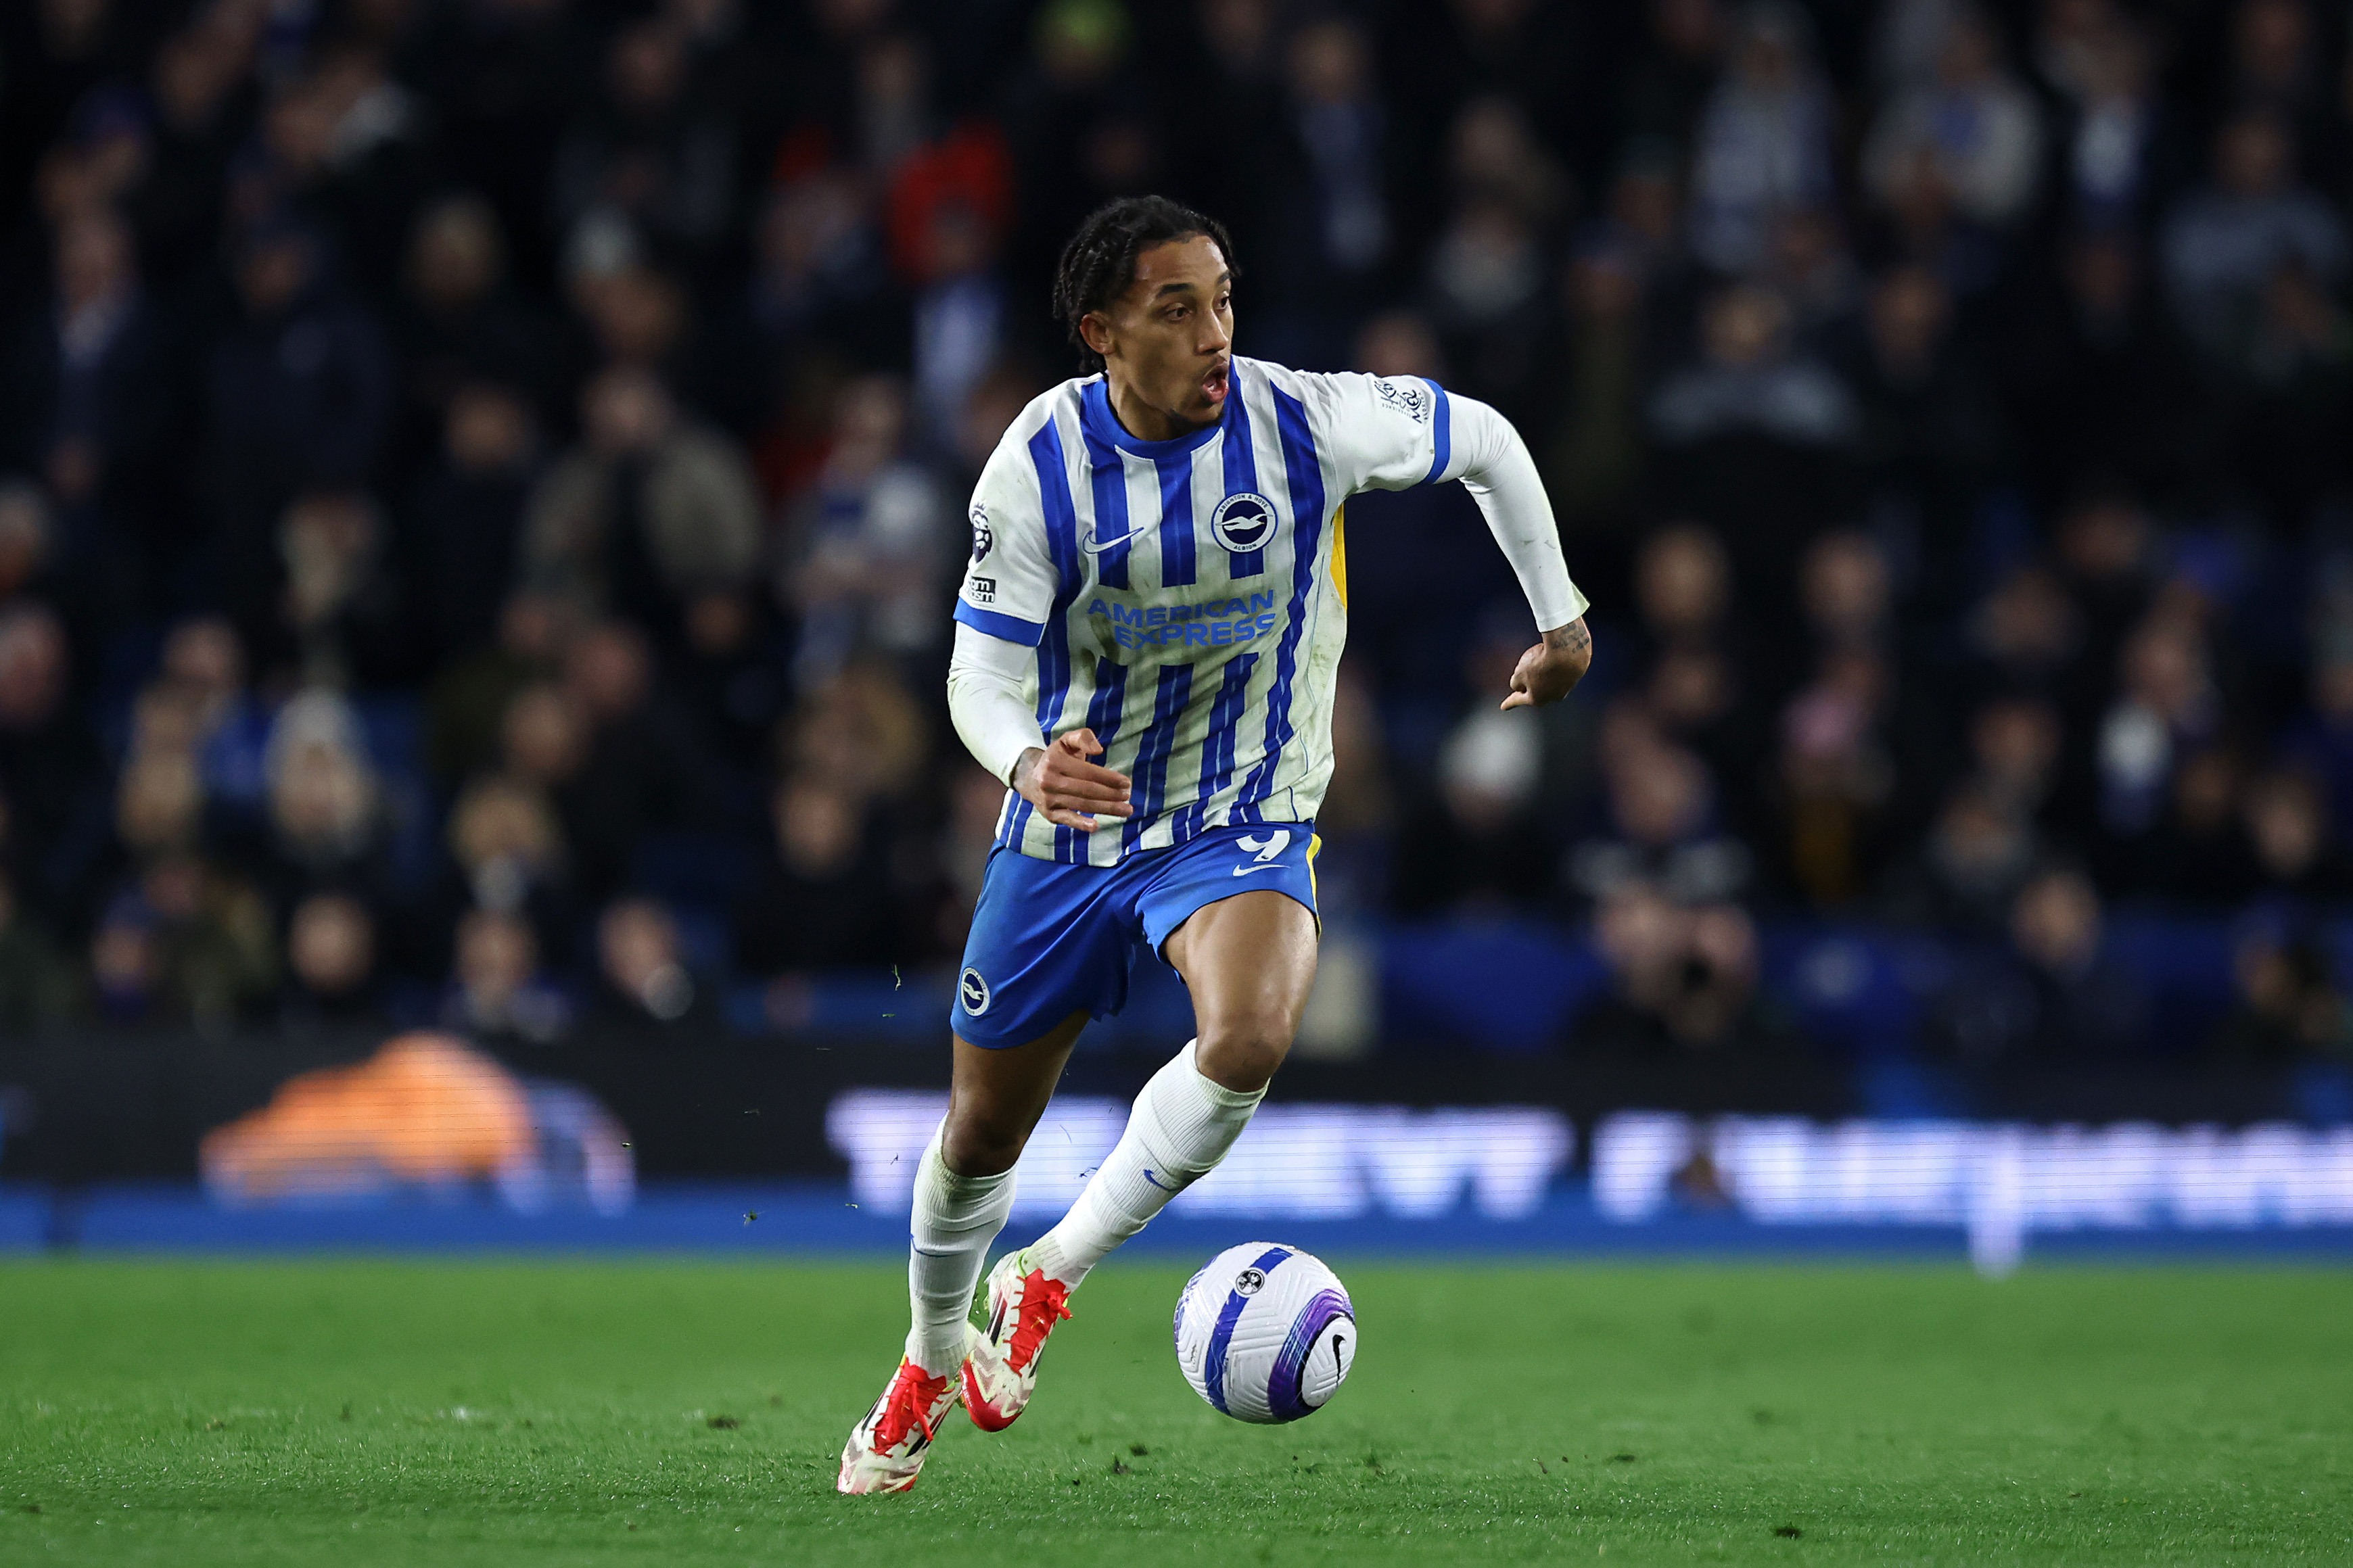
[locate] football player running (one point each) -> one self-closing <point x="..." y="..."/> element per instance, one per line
<point x="1147" y="638"/>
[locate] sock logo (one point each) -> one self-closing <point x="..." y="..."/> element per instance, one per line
<point x="1161" y="1184"/>
<point x="971" y="990"/>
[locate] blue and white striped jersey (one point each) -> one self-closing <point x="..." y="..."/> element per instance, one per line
<point x="1188" y="598"/>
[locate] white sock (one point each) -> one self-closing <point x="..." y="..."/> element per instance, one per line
<point x="1182" y="1126"/>
<point x="955" y="1219"/>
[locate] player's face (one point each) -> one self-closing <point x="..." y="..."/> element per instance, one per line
<point x="1168" y="342"/>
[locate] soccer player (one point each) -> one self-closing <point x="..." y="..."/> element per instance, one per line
<point x="1147" y="638"/>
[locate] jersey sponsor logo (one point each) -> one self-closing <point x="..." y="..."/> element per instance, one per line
<point x="1243" y="522"/>
<point x="1211" y="623"/>
<point x="1407" y="398"/>
<point x="984" y="590"/>
<point x="971" y="992"/>
<point x="983" y="540"/>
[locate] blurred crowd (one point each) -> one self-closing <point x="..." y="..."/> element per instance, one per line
<point x="481" y="481"/>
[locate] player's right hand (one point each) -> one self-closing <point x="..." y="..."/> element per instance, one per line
<point x="1068" y="790"/>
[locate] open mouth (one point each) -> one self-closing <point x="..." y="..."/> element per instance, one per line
<point x="1214" y="384"/>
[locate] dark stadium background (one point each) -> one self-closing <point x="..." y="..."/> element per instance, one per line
<point x="481" y="480"/>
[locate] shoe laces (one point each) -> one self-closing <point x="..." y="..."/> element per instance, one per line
<point x="908" y="1403"/>
<point x="1043" y="1304"/>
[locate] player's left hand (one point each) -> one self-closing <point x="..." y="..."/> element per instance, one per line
<point x="1550" y="671"/>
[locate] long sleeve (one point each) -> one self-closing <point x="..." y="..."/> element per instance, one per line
<point x="1502" y="477"/>
<point x="988" y="681"/>
<point x="1393" y="433"/>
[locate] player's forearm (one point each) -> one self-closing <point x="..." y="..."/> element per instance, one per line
<point x="1502" y="477"/>
<point x="988" y="700"/>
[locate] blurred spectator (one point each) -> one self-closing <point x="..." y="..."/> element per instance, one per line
<point x="330" y="968"/>
<point x="2167" y="701"/>
<point x="1479" y="845"/>
<point x="825" y="898"/>
<point x="2014" y="743"/>
<point x="297" y="397"/>
<point x="510" y="858"/>
<point x="345" y="605"/>
<point x="1668" y="84"/>
<point x="645" y="985"/>
<point x="2055" y="997"/>
<point x="649" y="513"/>
<point x="1748" y="380"/>
<point x="1598" y="454"/>
<point x="327" y="822"/>
<point x="1763" y="144"/>
<point x="1660" y="805"/>
<point x="1835" y="780"/>
<point x="465" y="518"/>
<point x="2026" y="631"/>
<point x="2103" y="383"/>
<point x="39" y="989"/>
<point x="464" y="327"/>
<point x="86" y="404"/>
<point x="1972" y="124"/>
<point x="869" y="544"/>
<point x="959" y="322"/>
<point x="1964" y="877"/>
<point x="2198" y="854"/>
<point x="2115" y="140"/>
<point x="1321" y="194"/>
<point x="2225" y="242"/>
<point x="2321" y="740"/>
<point x="2294" y="851"/>
<point x="466" y="706"/>
<point x="644" y="769"/>
<point x="649" y="155"/>
<point x="48" y="755"/>
<point x="495" y="994"/>
<point x="2289" y="1007"/>
<point x="203" y="669"/>
<point x="819" y="281"/>
<point x="1931" y="433"/>
<point x="1684" y="984"/>
<point x="200" y="89"/>
<point x="187" y="945"/>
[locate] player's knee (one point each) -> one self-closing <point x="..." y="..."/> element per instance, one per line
<point x="1243" y="1054"/>
<point x="976" y="1143"/>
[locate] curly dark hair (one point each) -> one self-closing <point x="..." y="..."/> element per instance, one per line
<point x="1099" y="263"/>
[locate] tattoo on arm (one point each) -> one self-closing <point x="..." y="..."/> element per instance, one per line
<point x="1570" y="638"/>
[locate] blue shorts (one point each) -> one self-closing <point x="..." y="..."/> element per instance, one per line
<point x="1049" y="940"/>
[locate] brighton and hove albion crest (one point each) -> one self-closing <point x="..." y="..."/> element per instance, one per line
<point x="1243" y="522"/>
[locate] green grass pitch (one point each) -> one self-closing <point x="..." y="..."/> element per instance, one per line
<point x="653" y="1412"/>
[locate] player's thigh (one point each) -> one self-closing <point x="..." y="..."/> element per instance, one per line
<point x="1250" y="962"/>
<point x="996" y="1096"/>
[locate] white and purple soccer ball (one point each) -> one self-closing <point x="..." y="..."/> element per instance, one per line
<point x="1265" y="1332"/>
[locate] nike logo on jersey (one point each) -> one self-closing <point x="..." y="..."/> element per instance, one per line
<point x="1097" y="546"/>
<point x="1246" y="870"/>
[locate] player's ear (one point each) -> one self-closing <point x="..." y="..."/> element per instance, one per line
<point x="1094" y="330"/>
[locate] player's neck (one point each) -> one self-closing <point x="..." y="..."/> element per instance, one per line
<point x="1143" y="420"/>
